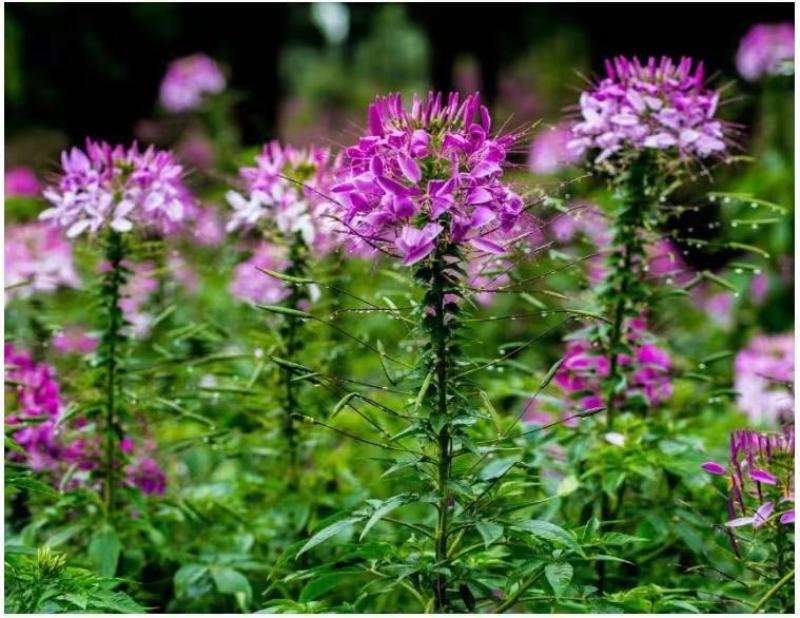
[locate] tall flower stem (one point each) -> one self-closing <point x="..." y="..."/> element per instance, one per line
<point x="624" y="291"/>
<point x="291" y="344"/>
<point x="439" y="363"/>
<point x="110" y="359"/>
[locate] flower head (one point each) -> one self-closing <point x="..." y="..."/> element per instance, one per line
<point x="585" y="367"/>
<point x="120" y="188"/>
<point x="659" y="105"/>
<point x="37" y="259"/>
<point x="21" y="182"/>
<point x="290" y="188"/>
<point x="188" y="80"/>
<point x="761" y="472"/>
<point x="250" y="283"/>
<point x="428" y="173"/>
<point x="766" y="49"/>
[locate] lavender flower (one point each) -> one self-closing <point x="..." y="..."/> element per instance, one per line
<point x="118" y="188"/>
<point x="424" y="174"/>
<point x="188" y="80"/>
<point x="766" y="49"/>
<point x="38" y="257"/>
<point x="657" y="105"/>
<point x="764" y="377"/>
<point x="761" y="472"/>
<point x="289" y="188"/>
<point x="21" y="182"/>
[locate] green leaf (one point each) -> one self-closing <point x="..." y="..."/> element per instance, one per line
<point x="230" y="581"/>
<point x="559" y="575"/>
<point x="31" y="484"/>
<point x="294" y="313"/>
<point x="187" y="575"/>
<point x="319" y="586"/>
<point x="328" y="532"/>
<point x="550" y="532"/>
<point x="284" y="277"/>
<point x="384" y="509"/>
<point x="104" y="551"/>
<point x="568" y="485"/>
<point x="489" y="530"/>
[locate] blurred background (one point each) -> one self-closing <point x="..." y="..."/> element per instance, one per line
<point x="96" y="68"/>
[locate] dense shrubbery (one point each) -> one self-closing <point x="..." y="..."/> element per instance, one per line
<point x="411" y="374"/>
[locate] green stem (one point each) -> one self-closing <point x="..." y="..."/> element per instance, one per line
<point x="440" y="341"/>
<point x="509" y="602"/>
<point x="624" y="291"/>
<point x="773" y="591"/>
<point x="112" y="340"/>
<point x="291" y="343"/>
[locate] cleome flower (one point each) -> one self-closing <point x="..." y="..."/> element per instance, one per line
<point x="429" y="171"/>
<point x="761" y="472"/>
<point x="120" y="188"/>
<point x="764" y="378"/>
<point x="584" y="369"/>
<point x="289" y="188"/>
<point x="38" y="259"/>
<point x="188" y="80"/>
<point x="660" y="105"/>
<point x="766" y="49"/>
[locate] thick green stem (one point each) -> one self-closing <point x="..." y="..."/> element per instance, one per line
<point x="291" y="343"/>
<point x="112" y="340"/>
<point x="440" y="344"/>
<point x="625" y="291"/>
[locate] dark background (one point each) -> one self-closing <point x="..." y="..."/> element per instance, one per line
<point x="95" y="69"/>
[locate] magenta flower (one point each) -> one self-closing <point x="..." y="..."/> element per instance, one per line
<point x="118" y="188"/>
<point x="549" y="153"/>
<point x="290" y="189"/>
<point x="434" y="167"/>
<point x="187" y="82"/>
<point x="657" y="105"/>
<point x="766" y="49"/>
<point x="764" y="376"/>
<point x="768" y="460"/>
<point x="585" y="367"/>
<point x="147" y="475"/>
<point x="37" y="259"/>
<point x="21" y="182"/>
<point x="74" y="339"/>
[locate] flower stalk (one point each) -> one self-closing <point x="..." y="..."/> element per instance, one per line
<point x="110" y="350"/>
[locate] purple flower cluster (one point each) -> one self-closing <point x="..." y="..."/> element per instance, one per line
<point x="38" y="396"/>
<point x="431" y="170"/>
<point x="549" y="152"/>
<point x="37" y="400"/>
<point x="764" y="378"/>
<point x="584" y="369"/>
<point x="188" y="80"/>
<point x="290" y="188"/>
<point x="766" y="49"/>
<point x="761" y="472"/>
<point x="654" y="105"/>
<point x="37" y="259"/>
<point x="120" y="188"/>
<point x="21" y="182"/>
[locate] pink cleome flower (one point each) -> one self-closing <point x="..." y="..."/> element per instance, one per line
<point x="660" y="105"/>
<point x="430" y="170"/>
<point x="120" y="188"/>
<point x="766" y="49"/>
<point x="764" y="378"/>
<point x="188" y="80"/>
<point x="21" y="182"/>
<point x="549" y="152"/>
